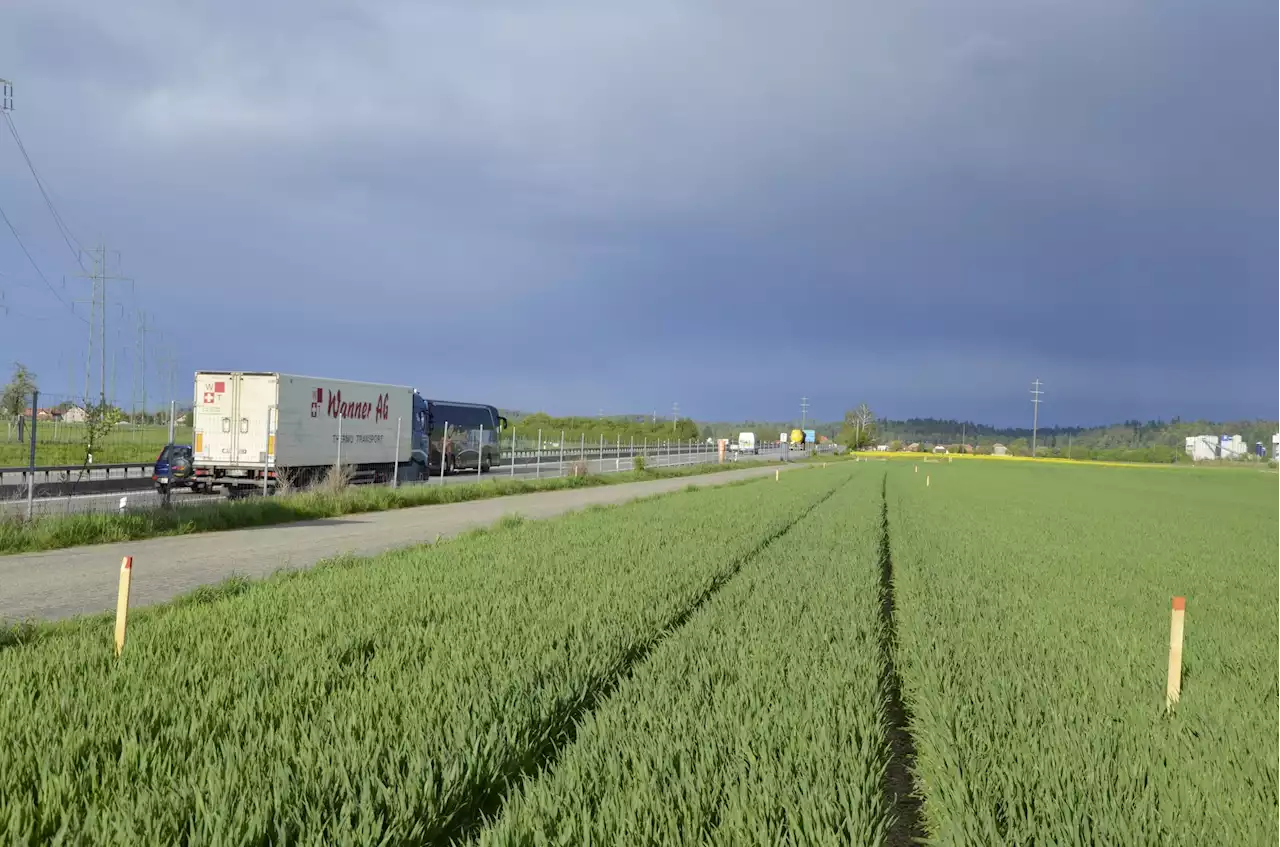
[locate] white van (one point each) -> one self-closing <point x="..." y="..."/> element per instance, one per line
<point x="747" y="443"/>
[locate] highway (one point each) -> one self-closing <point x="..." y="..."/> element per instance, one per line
<point x="526" y="467"/>
<point x="82" y="580"/>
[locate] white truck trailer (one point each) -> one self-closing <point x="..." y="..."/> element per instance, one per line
<point x="251" y="429"/>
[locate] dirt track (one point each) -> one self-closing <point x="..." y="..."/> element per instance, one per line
<point x="82" y="580"/>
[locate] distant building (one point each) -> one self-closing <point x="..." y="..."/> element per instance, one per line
<point x="939" y="449"/>
<point x="913" y="447"/>
<point x="74" y="414"/>
<point x="999" y="450"/>
<point x="1209" y="448"/>
<point x="1202" y="448"/>
<point x="1232" y="447"/>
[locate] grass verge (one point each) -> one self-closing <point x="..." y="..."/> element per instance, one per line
<point x="55" y="532"/>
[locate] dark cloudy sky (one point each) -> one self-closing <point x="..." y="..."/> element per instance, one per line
<point x="576" y="206"/>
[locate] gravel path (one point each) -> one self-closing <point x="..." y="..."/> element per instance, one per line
<point x="82" y="580"/>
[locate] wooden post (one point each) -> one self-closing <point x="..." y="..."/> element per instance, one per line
<point x="917" y="469"/>
<point x="926" y="480"/>
<point x="1174" y="689"/>
<point x="777" y="475"/>
<point x="122" y="602"/>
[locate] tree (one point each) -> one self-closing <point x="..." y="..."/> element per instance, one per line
<point x="858" y="431"/>
<point x="100" y="419"/>
<point x="1020" y="447"/>
<point x="17" y="393"/>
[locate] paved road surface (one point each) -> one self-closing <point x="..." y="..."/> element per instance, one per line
<point x="148" y="498"/>
<point x="82" y="580"/>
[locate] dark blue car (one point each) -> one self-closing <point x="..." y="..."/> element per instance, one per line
<point x="174" y="468"/>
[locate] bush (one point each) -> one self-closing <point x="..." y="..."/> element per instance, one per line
<point x="637" y="464"/>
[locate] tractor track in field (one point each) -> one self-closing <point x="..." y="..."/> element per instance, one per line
<point x="901" y="797"/>
<point x="486" y="803"/>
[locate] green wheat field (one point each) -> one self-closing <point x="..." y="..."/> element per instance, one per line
<point x="842" y="656"/>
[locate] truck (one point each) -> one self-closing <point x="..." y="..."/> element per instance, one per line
<point x="472" y="442"/>
<point x="797" y="439"/>
<point x="251" y="430"/>
<point x="747" y="443"/>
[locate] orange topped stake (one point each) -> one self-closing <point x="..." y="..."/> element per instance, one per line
<point x="122" y="602"/>
<point x="1173" y="689"/>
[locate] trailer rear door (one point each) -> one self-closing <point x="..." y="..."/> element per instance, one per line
<point x="211" y="418"/>
<point x="255" y="402"/>
<point x="233" y="412"/>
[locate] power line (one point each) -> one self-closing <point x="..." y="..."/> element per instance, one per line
<point x="65" y="231"/>
<point x="39" y="272"/>
<point x="6" y="105"/>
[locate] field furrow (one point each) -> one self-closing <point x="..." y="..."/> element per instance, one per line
<point x="760" y="722"/>
<point x="387" y="700"/>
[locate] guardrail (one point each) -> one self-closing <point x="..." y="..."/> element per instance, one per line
<point x="124" y="467"/>
<point x="61" y="480"/>
<point x="134" y="493"/>
<point x="123" y="470"/>
<point x="64" y="480"/>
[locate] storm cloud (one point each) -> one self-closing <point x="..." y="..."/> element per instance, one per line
<point x="576" y="206"/>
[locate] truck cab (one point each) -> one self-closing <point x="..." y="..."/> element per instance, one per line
<point x="747" y="443"/>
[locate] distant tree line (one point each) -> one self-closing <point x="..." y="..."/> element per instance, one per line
<point x="1129" y="441"/>
<point x="614" y="428"/>
<point x="1132" y="440"/>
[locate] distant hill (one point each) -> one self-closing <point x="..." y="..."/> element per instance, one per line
<point x="1126" y="435"/>
<point x="1133" y="440"/>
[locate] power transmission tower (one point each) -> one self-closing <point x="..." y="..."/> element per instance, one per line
<point x="100" y="278"/>
<point x="116" y="349"/>
<point x="804" y="411"/>
<point x="6" y="105"/>
<point x="140" y="368"/>
<point x="1035" y="414"/>
<point x="172" y="362"/>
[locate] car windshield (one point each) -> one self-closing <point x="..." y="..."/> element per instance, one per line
<point x="172" y="453"/>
